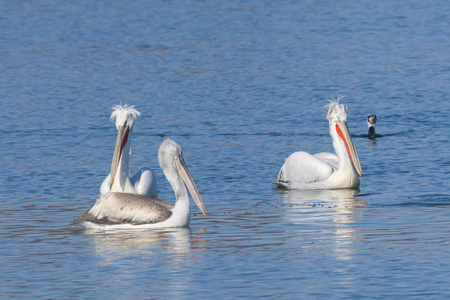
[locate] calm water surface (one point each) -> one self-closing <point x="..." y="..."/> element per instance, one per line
<point x="239" y="86"/>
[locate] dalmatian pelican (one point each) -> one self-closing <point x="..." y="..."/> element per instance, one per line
<point x="142" y="182"/>
<point x="324" y="170"/>
<point x="133" y="210"/>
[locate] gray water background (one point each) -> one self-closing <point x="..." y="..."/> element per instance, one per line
<point x="240" y="86"/>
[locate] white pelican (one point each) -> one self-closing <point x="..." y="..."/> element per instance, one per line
<point x="371" y="120"/>
<point x="131" y="209"/>
<point x="143" y="182"/>
<point x="302" y="170"/>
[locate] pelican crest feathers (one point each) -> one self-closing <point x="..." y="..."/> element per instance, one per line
<point x="323" y="170"/>
<point x="124" y="113"/>
<point x="334" y="104"/>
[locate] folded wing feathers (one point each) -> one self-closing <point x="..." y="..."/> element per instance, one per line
<point x="120" y="208"/>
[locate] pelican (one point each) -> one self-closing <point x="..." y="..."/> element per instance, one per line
<point x="322" y="171"/>
<point x="371" y="120"/>
<point x="143" y="182"/>
<point x="131" y="209"/>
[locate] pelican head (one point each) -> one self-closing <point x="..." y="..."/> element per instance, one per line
<point x="337" y="116"/>
<point x="124" y="115"/>
<point x="170" y="158"/>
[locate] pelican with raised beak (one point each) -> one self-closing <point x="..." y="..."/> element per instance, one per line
<point x="142" y="182"/>
<point x="131" y="210"/>
<point x="324" y="170"/>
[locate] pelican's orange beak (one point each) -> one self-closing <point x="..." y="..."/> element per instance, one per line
<point x="344" y="134"/>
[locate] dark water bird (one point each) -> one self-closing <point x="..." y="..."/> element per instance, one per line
<point x="371" y="121"/>
<point x="125" y="210"/>
<point x="324" y="170"/>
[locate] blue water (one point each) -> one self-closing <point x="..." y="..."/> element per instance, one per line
<point x="240" y="86"/>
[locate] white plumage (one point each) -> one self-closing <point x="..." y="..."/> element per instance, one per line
<point x="142" y="182"/>
<point x="131" y="210"/>
<point x="302" y="170"/>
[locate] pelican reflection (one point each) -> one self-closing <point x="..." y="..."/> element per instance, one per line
<point x="326" y="213"/>
<point x="120" y="243"/>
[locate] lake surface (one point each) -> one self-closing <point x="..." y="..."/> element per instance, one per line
<point x="240" y="86"/>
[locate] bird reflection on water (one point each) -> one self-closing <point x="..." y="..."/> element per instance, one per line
<point x="120" y="243"/>
<point x="170" y="251"/>
<point x="313" y="211"/>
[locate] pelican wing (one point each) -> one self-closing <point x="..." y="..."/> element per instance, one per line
<point x="144" y="182"/>
<point x="106" y="185"/>
<point x="329" y="158"/>
<point x="303" y="167"/>
<point x="123" y="208"/>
